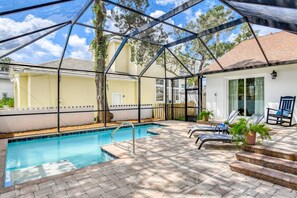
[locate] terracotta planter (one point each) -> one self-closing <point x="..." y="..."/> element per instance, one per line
<point x="251" y="138"/>
<point x="206" y="118"/>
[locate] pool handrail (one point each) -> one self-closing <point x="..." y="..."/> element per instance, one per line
<point x="133" y="132"/>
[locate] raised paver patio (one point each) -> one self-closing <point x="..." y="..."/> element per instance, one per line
<point x="168" y="165"/>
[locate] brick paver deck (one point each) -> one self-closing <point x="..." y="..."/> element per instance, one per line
<point x="168" y="165"/>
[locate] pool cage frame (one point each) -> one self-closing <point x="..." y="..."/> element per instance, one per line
<point x="254" y="18"/>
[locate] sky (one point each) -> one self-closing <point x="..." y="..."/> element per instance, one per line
<point x="50" y="47"/>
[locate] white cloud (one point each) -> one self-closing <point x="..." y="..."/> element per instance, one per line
<point x="264" y="30"/>
<point x="40" y="51"/>
<point x="89" y="30"/>
<point x="110" y="24"/>
<point x="190" y="16"/>
<point x="232" y="37"/>
<point x="79" y="48"/>
<point x="198" y="13"/>
<point x="157" y="13"/>
<point x="10" y="27"/>
<point x="166" y="2"/>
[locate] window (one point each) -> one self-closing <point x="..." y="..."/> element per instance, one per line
<point x="160" y="90"/>
<point x="247" y="96"/>
<point x="175" y="90"/>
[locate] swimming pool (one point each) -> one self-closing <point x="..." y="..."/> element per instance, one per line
<point x="81" y="149"/>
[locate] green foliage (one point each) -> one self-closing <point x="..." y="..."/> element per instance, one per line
<point x="7" y="101"/>
<point x="242" y="128"/>
<point x="4" y="67"/>
<point x="181" y="119"/>
<point x="205" y="115"/>
<point x="194" y="53"/>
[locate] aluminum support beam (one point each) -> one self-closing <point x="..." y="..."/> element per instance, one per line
<point x="148" y="16"/>
<point x="274" y="24"/>
<point x="208" y="32"/>
<point x="139" y="100"/>
<point x="259" y="44"/>
<point x="166" y="16"/>
<point x="180" y="62"/>
<point x="232" y="8"/>
<point x="275" y="3"/>
<point x="33" y="32"/>
<point x="166" y="85"/>
<point x="152" y="61"/>
<point x="105" y="99"/>
<point x="117" y="33"/>
<point x="116" y="55"/>
<point x="156" y="21"/>
<point x="212" y="55"/>
<point x="33" y="7"/>
<point x="186" y="100"/>
<point x="200" y="92"/>
<point x="59" y="78"/>
<point x="36" y="39"/>
<point x="172" y="100"/>
<point x="82" y="12"/>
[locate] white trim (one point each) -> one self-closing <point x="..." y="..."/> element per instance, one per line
<point x="246" y="76"/>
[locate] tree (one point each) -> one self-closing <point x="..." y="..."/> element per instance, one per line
<point x="194" y="53"/>
<point x="5" y="67"/>
<point x="125" y="21"/>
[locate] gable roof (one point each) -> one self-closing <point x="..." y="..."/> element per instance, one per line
<point x="71" y="63"/>
<point x="278" y="47"/>
<point x="79" y="64"/>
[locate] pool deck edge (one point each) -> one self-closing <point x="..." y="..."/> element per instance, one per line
<point x="115" y="151"/>
<point x="3" y="148"/>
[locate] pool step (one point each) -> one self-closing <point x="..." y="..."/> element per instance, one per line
<point x="284" y="165"/>
<point x="40" y="171"/>
<point x="274" y="176"/>
<point x="270" y="151"/>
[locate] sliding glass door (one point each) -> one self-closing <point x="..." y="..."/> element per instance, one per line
<point x="246" y="96"/>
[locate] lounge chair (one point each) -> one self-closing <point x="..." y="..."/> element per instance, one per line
<point x="219" y="128"/>
<point x="225" y="138"/>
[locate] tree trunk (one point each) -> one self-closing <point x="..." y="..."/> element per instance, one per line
<point x="99" y="47"/>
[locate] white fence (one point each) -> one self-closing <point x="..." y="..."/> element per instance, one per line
<point x="130" y="112"/>
<point x="21" y="122"/>
<point x="43" y="121"/>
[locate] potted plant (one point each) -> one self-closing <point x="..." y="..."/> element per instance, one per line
<point x="205" y="115"/>
<point x="245" y="132"/>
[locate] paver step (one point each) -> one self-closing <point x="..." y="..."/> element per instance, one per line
<point x="284" y="165"/>
<point x="270" y="151"/>
<point x="267" y="174"/>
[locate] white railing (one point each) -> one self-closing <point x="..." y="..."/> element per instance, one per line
<point x="133" y="133"/>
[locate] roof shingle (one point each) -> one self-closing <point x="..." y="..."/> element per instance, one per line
<point x="278" y="47"/>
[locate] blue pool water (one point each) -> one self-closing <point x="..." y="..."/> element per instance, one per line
<point x="80" y="149"/>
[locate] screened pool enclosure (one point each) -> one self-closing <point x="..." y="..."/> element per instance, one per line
<point x="155" y="56"/>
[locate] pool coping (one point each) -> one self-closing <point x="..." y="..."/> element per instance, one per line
<point x="119" y="153"/>
<point x="43" y="136"/>
<point x="3" y="149"/>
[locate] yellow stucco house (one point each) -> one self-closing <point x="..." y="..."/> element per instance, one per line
<point x="35" y="87"/>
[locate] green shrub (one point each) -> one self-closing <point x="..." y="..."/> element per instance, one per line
<point x="181" y="118"/>
<point x="204" y="115"/>
<point x="7" y="101"/>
